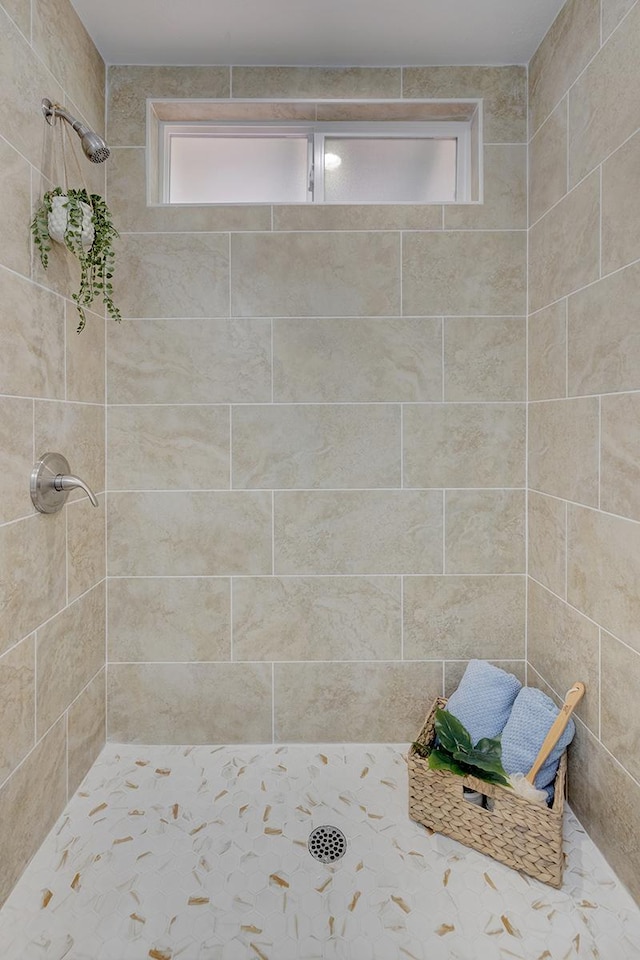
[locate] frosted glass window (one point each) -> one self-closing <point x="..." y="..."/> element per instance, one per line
<point x="389" y="170"/>
<point x="258" y="169"/>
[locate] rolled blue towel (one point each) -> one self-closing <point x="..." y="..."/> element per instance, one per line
<point x="531" y="718"/>
<point x="484" y="698"/>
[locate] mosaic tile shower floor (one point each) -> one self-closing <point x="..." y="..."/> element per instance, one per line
<point x="200" y="853"/>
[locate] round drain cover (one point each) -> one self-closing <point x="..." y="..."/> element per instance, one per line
<point x="327" y="844"/>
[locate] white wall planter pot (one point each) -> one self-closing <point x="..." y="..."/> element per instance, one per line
<point x="58" y="219"/>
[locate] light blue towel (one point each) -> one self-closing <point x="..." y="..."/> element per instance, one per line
<point x="484" y="698"/>
<point x="531" y="718"/>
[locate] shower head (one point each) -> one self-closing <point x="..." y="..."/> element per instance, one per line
<point x="94" y="146"/>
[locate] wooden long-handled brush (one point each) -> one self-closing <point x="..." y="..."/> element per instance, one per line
<point x="524" y="785"/>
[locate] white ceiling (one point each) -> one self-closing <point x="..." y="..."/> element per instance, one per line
<point x="321" y="32"/>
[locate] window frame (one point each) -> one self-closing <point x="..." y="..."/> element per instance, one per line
<point x="316" y="132"/>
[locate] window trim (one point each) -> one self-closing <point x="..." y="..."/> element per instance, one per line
<point x="316" y="133"/>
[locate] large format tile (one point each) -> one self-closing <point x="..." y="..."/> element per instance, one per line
<point x="548" y="163"/>
<point x="189" y="534"/>
<point x="33" y="798"/>
<point x="20" y="13"/>
<point x="462" y="617"/>
<point x="172" y="275"/>
<point x="77" y="431"/>
<point x="86" y="553"/>
<point x="484" y="531"/>
<point x="603" y="571"/>
<point x="129" y="87"/>
<point x="32" y="335"/>
<point x="563" y="448"/>
<point x="17" y="699"/>
<point x="464" y="445"/>
<point x="86" y="729"/>
<point x="315" y="274"/>
<point x="168" y="447"/>
<point x="484" y="358"/>
<point x="70" y="651"/>
<point x="345" y="532"/>
<point x="314" y="82"/>
<point x="25" y="80"/>
<point x="334" y="360"/>
<point x="168" y="619"/>
<point x="564" y="246"/>
<point x="464" y="273"/>
<point x="191" y="361"/>
<point x="547" y="352"/>
<point x="572" y="40"/>
<point x="621" y="206"/>
<point x="16" y="443"/>
<point x="57" y="29"/>
<point x="547" y="538"/>
<point x="364" y="216"/>
<point x="603" y="108"/>
<point x="613" y="12"/>
<point x="504" y="204"/>
<point x="503" y="90"/>
<point x="15" y="208"/>
<point x="190" y="702"/>
<point x="620" y="449"/>
<point x="332" y="702"/>
<point x="33" y="576"/>
<point x="316" y="618"/>
<point x="564" y="646"/>
<point x="604" y="348"/>
<point x="289" y="446"/>
<point x="607" y="801"/>
<point x="85" y="357"/>
<point x="620" y="706"/>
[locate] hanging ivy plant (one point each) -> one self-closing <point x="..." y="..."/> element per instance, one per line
<point x="96" y="257"/>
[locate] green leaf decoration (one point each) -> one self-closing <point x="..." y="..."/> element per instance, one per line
<point x="456" y="754"/>
<point x="451" y="733"/>
<point x="441" y="760"/>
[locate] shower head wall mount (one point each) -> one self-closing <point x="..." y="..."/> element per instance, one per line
<point x="93" y="145"/>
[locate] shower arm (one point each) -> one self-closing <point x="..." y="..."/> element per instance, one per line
<point x="54" y="110"/>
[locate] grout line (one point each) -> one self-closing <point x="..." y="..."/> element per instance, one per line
<point x="231" y="619"/>
<point x="599" y="451"/>
<point x="600" y="683"/>
<point x="566" y="551"/>
<point x="272" y="368"/>
<point x="230" y="447"/>
<point x="402" y="617"/>
<point x="443" y="328"/>
<point x="600" y="221"/>
<point x="401" y="446"/>
<point x="273" y="702"/>
<point x="566" y="347"/>
<point x="401" y="256"/>
<point x="273" y="533"/>
<point x="444" y="532"/>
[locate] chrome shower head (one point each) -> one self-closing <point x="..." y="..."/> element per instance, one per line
<point x="93" y="145"/>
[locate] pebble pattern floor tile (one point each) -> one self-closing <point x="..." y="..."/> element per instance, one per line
<point x="200" y="853"/>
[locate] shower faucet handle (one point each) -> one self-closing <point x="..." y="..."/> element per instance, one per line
<point x="69" y="482"/>
<point x="51" y="483"/>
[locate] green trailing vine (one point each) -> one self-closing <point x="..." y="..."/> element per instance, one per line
<point x="96" y="263"/>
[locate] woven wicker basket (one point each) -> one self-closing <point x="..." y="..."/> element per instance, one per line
<point x="521" y="834"/>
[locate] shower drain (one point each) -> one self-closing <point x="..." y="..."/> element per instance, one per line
<point x="327" y="844"/>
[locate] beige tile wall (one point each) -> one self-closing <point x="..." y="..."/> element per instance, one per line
<point x="52" y="568"/>
<point x="584" y="388"/>
<point x="316" y="424"/>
